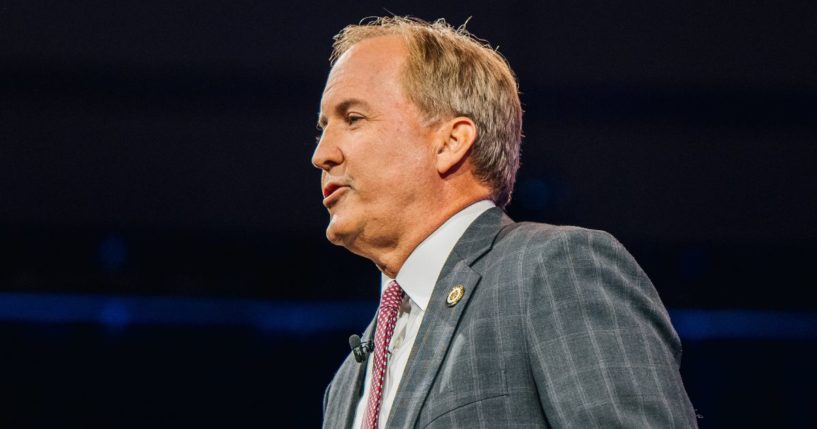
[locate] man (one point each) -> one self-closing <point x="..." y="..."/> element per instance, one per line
<point x="483" y="322"/>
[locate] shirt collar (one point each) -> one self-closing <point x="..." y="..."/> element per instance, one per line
<point x="419" y="273"/>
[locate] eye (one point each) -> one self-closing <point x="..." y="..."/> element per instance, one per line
<point x="353" y="118"/>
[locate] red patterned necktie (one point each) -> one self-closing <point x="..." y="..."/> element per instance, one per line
<point x="386" y="319"/>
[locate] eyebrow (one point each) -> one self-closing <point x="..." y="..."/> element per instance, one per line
<point x="341" y="109"/>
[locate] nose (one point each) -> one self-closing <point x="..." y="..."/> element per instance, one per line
<point x="327" y="154"/>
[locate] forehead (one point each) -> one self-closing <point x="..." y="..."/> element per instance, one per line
<point x="370" y="67"/>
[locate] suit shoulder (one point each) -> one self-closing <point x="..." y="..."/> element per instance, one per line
<point x="533" y="234"/>
<point x="533" y="245"/>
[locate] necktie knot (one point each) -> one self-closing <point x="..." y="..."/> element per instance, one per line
<point x="392" y="296"/>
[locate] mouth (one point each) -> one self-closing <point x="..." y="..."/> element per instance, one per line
<point x="331" y="190"/>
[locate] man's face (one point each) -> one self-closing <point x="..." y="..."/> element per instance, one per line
<point x="375" y="152"/>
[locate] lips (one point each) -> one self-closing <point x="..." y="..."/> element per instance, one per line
<point x="331" y="191"/>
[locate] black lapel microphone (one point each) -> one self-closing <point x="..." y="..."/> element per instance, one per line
<point x="360" y="350"/>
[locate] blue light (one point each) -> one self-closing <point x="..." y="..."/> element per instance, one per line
<point x="119" y="312"/>
<point x="115" y="314"/>
<point x="744" y="324"/>
<point x="310" y="317"/>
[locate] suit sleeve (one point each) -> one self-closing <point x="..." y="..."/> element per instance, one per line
<point x="603" y="351"/>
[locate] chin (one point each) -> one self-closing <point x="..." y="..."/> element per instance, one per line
<point x="333" y="237"/>
<point x="335" y="233"/>
<point x="344" y="236"/>
<point x="332" y="234"/>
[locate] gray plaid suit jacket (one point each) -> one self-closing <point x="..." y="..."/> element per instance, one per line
<point x="559" y="327"/>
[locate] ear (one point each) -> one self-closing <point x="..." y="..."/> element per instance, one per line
<point x="457" y="136"/>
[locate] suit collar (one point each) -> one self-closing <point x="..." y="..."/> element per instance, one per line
<point x="424" y="265"/>
<point x="440" y="321"/>
<point x="479" y="237"/>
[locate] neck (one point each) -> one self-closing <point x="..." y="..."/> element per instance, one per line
<point x="390" y="259"/>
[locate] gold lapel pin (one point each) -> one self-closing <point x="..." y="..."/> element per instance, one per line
<point x="455" y="295"/>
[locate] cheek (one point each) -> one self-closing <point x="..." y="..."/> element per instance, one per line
<point x="391" y="160"/>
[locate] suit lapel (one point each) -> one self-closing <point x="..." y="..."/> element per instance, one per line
<point x="440" y="320"/>
<point x="345" y="393"/>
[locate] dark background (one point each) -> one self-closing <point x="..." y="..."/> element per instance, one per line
<point x="159" y="150"/>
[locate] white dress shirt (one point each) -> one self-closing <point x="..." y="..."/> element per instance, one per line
<point x="417" y="277"/>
